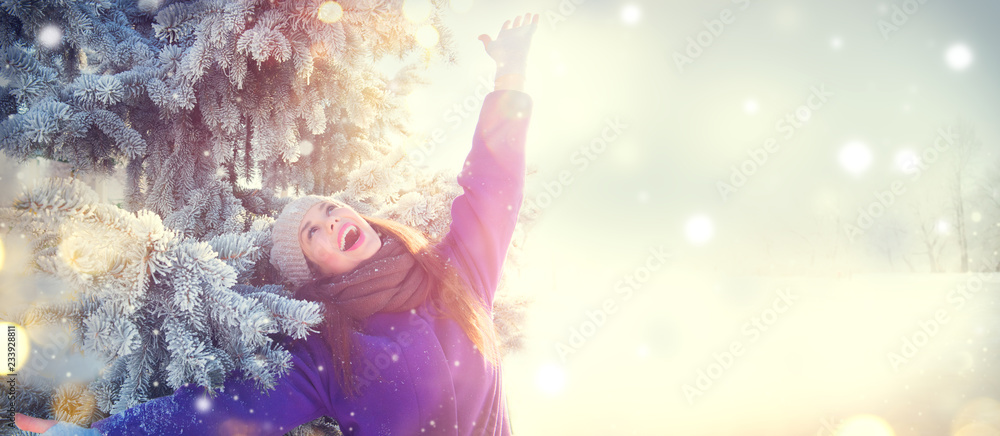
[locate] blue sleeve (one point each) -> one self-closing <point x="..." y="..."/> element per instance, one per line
<point x="300" y="396"/>
<point x="492" y="181"/>
<point x="67" y="429"/>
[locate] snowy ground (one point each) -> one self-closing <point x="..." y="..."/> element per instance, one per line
<point x="830" y="350"/>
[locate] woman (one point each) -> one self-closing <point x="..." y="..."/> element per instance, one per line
<point x="407" y="345"/>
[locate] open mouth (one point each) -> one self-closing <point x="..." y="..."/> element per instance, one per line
<point x="350" y="237"/>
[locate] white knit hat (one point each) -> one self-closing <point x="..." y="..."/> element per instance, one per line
<point x="286" y="254"/>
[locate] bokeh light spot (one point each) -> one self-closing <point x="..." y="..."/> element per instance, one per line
<point x="855" y="157"/>
<point x="305" y="147"/>
<point x="330" y="12"/>
<point x="942" y="227"/>
<point x="50" y="36"/>
<point x="417" y="10"/>
<point x="959" y="57"/>
<point x="551" y="379"/>
<point x="148" y="5"/>
<point x="631" y="14"/>
<point x="427" y="36"/>
<point x="699" y="229"/>
<point x="907" y="161"/>
<point x="461" y="6"/>
<point x="836" y="43"/>
<point x="203" y="404"/>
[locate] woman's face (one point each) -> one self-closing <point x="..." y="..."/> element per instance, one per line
<point x="336" y="238"/>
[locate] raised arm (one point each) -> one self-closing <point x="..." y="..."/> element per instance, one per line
<point x="492" y="179"/>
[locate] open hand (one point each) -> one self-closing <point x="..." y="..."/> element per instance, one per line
<point x="510" y="49"/>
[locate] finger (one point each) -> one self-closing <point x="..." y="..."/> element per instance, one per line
<point x="527" y="19"/>
<point x="486" y="40"/>
<point x="517" y="21"/>
<point x="534" y="19"/>
<point x="506" y="25"/>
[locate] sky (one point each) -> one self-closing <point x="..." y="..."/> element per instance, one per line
<point x="839" y="97"/>
<point x="691" y="126"/>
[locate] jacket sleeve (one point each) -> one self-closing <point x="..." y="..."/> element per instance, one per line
<point x="241" y="408"/>
<point x="492" y="180"/>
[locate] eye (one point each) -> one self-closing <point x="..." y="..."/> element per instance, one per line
<point x="329" y="209"/>
<point x="312" y="230"/>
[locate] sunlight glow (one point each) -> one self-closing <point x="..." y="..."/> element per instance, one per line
<point x="751" y="107"/>
<point x="855" y="157"/>
<point x="865" y="425"/>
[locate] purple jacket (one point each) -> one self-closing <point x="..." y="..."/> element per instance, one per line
<point x="418" y="374"/>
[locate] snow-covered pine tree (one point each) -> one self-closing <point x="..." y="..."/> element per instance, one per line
<point x="216" y="110"/>
<point x="194" y="97"/>
<point x="161" y="310"/>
